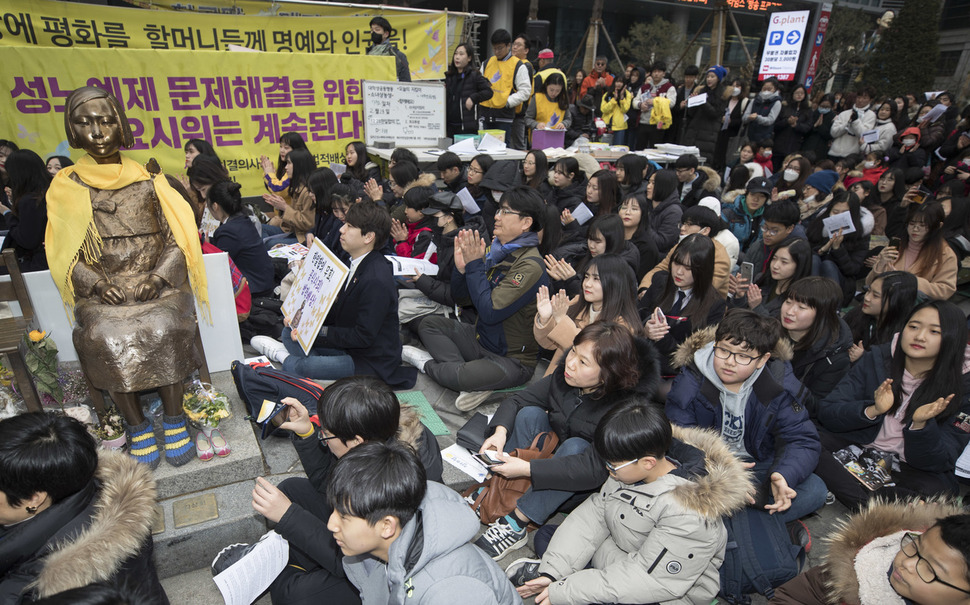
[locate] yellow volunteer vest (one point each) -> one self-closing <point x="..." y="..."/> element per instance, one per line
<point x="545" y="73"/>
<point x="546" y="109"/>
<point x="501" y="75"/>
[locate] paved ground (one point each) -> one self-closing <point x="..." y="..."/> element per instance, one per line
<point x="280" y="459"/>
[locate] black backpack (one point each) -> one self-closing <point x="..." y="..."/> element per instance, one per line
<point x="257" y="382"/>
<point x="759" y="556"/>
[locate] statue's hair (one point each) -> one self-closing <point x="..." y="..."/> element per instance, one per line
<point x="89" y="93"/>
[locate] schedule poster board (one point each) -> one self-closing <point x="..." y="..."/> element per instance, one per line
<point x="786" y="32"/>
<point x="317" y="285"/>
<point x="407" y="114"/>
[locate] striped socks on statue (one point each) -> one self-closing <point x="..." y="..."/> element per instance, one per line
<point x="179" y="448"/>
<point x="141" y="444"/>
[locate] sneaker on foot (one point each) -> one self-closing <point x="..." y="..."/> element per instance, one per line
<point x="469" y="400"/>
<point x="416" y="357"/>
<point x="829" y="499"/>
<point x="270" y="347"/>
<point x="229" y="556"/>
<point x="500" y="537"/>
<point x="522" y="571"/>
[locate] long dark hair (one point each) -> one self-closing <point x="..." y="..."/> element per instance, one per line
<point x="28" y="175"/>
<point x="615" y="350"/>
<point x="619" y="285"/>
<point x="946" y="375"/>
<point x="825" y="296"/>
<point x="320" y="183"/>
<point x="562" y="101"/>
<point x="801" y="253"/>
<point x="358" y="170"/>
<point x="899" y="183"/>
<point x="206" y="170"/>
<point x="609" y="191"/>
<point x="303" y="166"/>
<point x="485" y="162"/>
<point x="900" y="290"/>
<point x="664" y="184"/>
<point x="697" y="252"/>
<point x="799" y="106"/>
<point x="645" y="208"/>
<point x="932" y="215"/>
<point x="542" y="168"/>
<point x="295" y="141"/>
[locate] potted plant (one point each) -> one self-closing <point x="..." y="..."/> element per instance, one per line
<point x="111" y="430"/>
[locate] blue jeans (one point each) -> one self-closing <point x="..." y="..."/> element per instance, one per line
<point x="273" y="235"/>
<point x="539" y="505"/>
<point x="810" y="493"/>
<point x="320" y="364"/>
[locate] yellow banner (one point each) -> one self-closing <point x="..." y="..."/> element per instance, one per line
<point x="44" y="23"/>
<point x="239" y="105"/>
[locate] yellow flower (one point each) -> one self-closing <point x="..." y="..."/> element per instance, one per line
<point x="37" y="335"/>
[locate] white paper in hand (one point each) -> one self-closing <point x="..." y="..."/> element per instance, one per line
<point x="839" y="221"/>
<point x="243" y="582"/>
<point x="460" y="458"/>
<point x="870" y="136"/>
<point x="697" y="100"/>
<point x="468" y="202"/>
<point x="582" y="214"/>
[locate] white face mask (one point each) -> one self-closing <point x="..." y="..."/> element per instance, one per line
<point x="869" y="164"/>
<point x="766" y="154"/>
<point x="736" y="92"/>
<point x="764" y="94"/>
<point x="791" y="175"/>
<point x="909" y="142"/>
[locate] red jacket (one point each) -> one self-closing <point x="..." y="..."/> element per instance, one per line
<point x="416" y="244"/>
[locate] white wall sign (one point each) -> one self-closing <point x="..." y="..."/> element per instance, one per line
<point x="783" y="45"/>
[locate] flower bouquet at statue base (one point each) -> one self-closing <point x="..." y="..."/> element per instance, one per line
<point x="40" y="357"/>
<point x="205" y="406"/>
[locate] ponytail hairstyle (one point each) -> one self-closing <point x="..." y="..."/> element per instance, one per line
<point x="946" y="375"/>
<point x="227" y="195"/>
<point x="295" y="141"/>
<point x="825" y="296"/>
<point x="303" y="166"/>
<point x="569" y="165"/>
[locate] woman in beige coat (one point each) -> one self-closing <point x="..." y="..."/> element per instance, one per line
<point x="609" y="293"/>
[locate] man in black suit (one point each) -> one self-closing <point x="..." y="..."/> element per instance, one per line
<point x="361" y="333"/>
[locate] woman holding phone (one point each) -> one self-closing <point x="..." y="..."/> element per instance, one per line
<point x="922" y="251"/>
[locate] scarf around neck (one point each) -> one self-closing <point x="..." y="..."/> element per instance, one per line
<point x="71" y="232"/>
<point x="498" y="251"/>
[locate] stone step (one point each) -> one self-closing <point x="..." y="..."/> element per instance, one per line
<point x="209" y="521"/>
<point x="196" y="586"/>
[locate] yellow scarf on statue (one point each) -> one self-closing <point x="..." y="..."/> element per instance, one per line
<point x="71" y="231"/>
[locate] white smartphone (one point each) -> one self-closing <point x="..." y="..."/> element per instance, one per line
<point x="659" y="315"/>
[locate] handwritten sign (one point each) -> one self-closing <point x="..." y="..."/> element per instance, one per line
<point x="317" y="285"/>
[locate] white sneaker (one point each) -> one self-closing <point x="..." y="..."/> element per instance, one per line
<point x="469" y="400"/>
<point x="416" y="357"/>
<point x="270" y="347"/>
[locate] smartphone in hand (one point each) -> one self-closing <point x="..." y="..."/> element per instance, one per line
<point x="747" y="273"/>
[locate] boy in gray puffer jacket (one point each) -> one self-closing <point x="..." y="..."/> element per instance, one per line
<point x="405" y="539"/>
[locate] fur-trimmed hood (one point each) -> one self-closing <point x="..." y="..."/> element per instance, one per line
<point x="713" y="182"/>
<point x="684" y="355"/>
<point x="425" y="179"/>
<point x="725" y="487"/>
<point x="877" y="519"/>
<point x="124" y="511"/>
